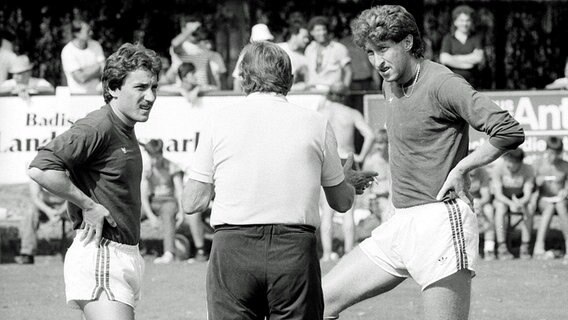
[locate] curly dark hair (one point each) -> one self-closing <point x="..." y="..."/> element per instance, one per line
<point x="129" y="57"/>
<point x="384" y="23"/>
<point x="265" y="68"/>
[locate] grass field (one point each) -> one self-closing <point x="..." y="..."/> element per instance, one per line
<point x="502" y="290"/>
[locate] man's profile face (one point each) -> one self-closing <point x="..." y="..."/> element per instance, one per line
<point x="390" y="59"/>
<point x="134" y="100"/>
<point x="302" y="38"/>
<point x="319" y="33"/>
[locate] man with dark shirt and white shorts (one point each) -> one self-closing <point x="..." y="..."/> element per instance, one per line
<point x="96" y="166"/>
<point x="432" y="236"/>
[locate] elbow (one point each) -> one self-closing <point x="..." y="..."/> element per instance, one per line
<point x="35" y="174"/>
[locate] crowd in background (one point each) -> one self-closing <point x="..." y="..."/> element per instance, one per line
<point x="527" y="40"/>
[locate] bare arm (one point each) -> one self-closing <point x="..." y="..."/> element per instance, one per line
<point x="87" y="73"/>
<point x="366" y="132"/>
<point x="178" y="189"/>
<point x="35" y="191"/>
<point x="196" y="196"/>
<point x="186" y="32"/>
<point x="457" y="179"/>
<point x="145" y="200"/>
<point x="340" y="197"/>
<point x="455" y="61"/>
<point x="347" y="75"/>
<point x="94" y="214"/>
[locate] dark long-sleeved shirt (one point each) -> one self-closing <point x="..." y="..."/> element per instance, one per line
<point x="428" y="131"/>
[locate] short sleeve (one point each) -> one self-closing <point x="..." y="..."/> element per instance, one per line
<point x="332" y="171"/>
<point x="70" y="64"/>
<point x="201" y="167"/>
<point x="446" y="44"/>
<point x="71" y="149"/>
<point x="343" y="55"/>
<point x="98" y="52"/>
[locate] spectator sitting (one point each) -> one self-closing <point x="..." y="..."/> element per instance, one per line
<point x="83" y="60"/>
<point x="560" y="83"/>
<point x="298" y="39"/>
<point x="328" y="60"/>
<point x="22" y="83"/>
<point x="7" y="55"/>
<point x="161" y="189"/>
<point x="46" y="208"/>
<point x="513" y="182"/>
<point x="259" y="32"/>
<point x="552" y="183"/>
<point x="462" y="51"/>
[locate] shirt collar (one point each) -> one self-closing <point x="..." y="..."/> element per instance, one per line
<point x="267" y="95"/>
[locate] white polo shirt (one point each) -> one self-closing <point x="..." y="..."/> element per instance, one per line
<point x="73" y="59"/>
<point x="268" y="159"/>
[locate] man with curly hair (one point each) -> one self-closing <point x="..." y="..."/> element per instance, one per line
<point x="432" y="236"/>
<point x="96" y="166"/>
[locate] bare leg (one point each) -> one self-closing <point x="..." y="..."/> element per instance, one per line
<point x="326" y="230"/>
<point x="103" y="309"/>
<point x="449" y="298"/>
<point x="547" y="213"/>
<point x="354" y="279"/>
<point x="500" y="226"/>
<point x="562" y="211"/>
<point x="196" y="227"/>
<point x="526" y="226"/>
<point x="348" y="230"/>
<point x="168" y="213"/>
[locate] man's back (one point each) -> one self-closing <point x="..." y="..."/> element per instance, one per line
<point x="282" y="149"/>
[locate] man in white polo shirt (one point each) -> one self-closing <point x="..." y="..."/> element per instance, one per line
<point x="266" y="160"/>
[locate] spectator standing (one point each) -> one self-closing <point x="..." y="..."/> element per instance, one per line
<point x="552" y="183"/>
<point x="22" y="82"/>
<point x="364" y="76"/>
<point x="462" y="49"/>
<point x="187" y="84"/>
<point x="328" y="60"/>
<point x="83" y="60"/>
<point x="344" y="121"/>
<point x="266" y="159"/>
<point x="46" y="207"/>
<point x="513" y="185"/>
<point x="96" y="166"/>
<point x="298" y="39"/>
<point x="185" y="48"/>
<point x="216" y="62"/>
<point x="7" y="55"/>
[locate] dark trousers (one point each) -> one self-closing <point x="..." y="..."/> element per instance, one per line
<point x="258" y="271"/>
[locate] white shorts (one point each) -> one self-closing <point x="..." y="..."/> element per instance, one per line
<point x="427" y="242"/>
<point x="114" y="268"/>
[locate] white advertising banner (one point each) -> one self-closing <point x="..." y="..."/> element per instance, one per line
<point x="26" y="125"/>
